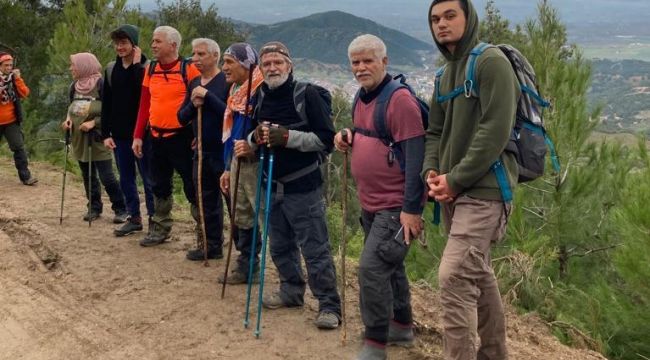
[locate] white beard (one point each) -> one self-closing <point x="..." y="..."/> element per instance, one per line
<point x="276" y="82"/>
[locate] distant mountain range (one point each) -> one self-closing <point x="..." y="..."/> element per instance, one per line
<point x="325" y="37"/>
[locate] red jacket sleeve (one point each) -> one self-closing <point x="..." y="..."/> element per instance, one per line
<point x="21" y="88"/>
<point x="143" y="113"/>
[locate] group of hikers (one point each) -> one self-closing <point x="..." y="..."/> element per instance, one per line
<point x="147" y="114"/>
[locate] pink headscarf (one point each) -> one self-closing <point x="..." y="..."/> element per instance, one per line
<point x="88" y="70"/>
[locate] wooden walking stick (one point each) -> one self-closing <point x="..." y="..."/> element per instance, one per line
<point x="233" y="205"/>
<point x="343" y="242"/>
<point x="199" y="182"/>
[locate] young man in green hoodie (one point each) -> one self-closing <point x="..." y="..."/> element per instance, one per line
<point x="466" y="136"/>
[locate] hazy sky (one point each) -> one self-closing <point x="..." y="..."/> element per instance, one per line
<point x="410" y="15"/>
<point x="277" y="10"/>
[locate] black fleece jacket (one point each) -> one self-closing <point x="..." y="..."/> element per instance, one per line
<point x="120" y="99"/>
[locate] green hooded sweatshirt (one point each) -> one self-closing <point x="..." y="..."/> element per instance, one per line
<point x="467" y="135"/>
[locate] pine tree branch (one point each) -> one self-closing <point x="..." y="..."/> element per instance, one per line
<point x="593" y="345"/>
<point x="533" y="212"/>
<point x="536" y="189"/>
<point x="591" y="251"/>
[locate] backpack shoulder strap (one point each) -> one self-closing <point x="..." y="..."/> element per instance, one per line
<point x="299" y="102"/>
<point x="470" y="70"/>
<point x="100" y="87"/>
<point x="109" y="73"/>
<point x="152" y="67"/>
<point x="443" y="98"/>
<point x="354" y="104"/>
<point x="71" y="91"/>
<point x="185" y="62"/>
<point x="381" y="106"/>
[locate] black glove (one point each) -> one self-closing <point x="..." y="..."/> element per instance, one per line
<point x="278" y="136"/>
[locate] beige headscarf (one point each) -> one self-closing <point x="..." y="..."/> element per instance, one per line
<point x="88" y="70"/>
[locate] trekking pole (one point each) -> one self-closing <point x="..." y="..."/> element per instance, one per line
<point x="199" y="182"/>
<point x="90" y="178"/>
<point x="343" y="242"/>
<point x="65" y="171"/>
<point x="251" y="266"/>
<point x="233" y="207"/>
<point x="267" y="212"/>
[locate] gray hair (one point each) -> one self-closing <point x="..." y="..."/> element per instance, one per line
<point x="173" y="36"/>
<point x="212" y="46"/>
<point x="367" y="42"/>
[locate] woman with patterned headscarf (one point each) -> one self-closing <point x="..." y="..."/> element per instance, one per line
<point x="83" y="121"/>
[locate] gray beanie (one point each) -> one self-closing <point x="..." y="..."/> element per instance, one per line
<point x="130" y="31"/>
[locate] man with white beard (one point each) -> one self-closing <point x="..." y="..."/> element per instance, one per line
<point x="295" y="124"/>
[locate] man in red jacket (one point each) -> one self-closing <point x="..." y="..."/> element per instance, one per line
<point x="12" y="90"/>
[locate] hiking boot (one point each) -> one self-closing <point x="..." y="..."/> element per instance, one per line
<point x="30" y="182"/>
<point x="197" y="254"/>
<point x="120" y="218"/>
<point x="128" y="228"/>
<point x="327" y="320"/>
<point x="400" y="335"/>
<point x="153" y="239"/>
<point x="91" y="216"/>
<point x="372" y="351"/>
<point x="236" y="277"/>
<point x="273" y="301"/>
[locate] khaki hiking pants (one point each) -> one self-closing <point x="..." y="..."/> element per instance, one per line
<point x="245" y="213"/>
<point x="472" y="313"/>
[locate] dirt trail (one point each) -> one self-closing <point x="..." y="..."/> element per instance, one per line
<point x="74" y="292"/>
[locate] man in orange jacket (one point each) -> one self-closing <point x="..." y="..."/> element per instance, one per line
<point x="12" y="90"/>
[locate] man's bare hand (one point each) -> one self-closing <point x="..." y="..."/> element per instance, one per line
<point x="242" y="149"/>
<point x="412" y="224"/>
<point x="109" y="143"/>
<point x="343" y="140"/>
<point x="440" y="189"/>
<point x="137" y="54"/>
<point x="137" y="148"/>
<point x="224" y="182"/>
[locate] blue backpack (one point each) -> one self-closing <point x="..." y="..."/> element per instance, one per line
<point x="379" y="118"/>
<point x="528" y="140"/>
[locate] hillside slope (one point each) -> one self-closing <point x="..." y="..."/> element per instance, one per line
<point x="74" y="292"/>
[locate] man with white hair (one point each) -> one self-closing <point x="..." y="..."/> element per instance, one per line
<point x="391" y="196"/>
<point x="301" y="128"/>
<point x="209" y="93"/>
<point x="163" y="91"/>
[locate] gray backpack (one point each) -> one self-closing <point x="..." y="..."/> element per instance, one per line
<point x="528" y="140"/>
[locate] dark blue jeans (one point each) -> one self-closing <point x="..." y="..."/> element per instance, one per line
<point x="298" y="224"/>
<point x="212" y="204"/>
<point x="126" y="165"/>
<point x="112" y="187"/>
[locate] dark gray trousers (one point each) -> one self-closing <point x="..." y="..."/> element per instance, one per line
<point x="297" y="224"/>
<point x="383" y="286"/>
<point x="14" y="135"/>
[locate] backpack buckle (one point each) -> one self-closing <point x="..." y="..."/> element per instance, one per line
<point x="468" y="85"/>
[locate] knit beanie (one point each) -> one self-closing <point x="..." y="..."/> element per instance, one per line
<point x="130" y="31"/>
